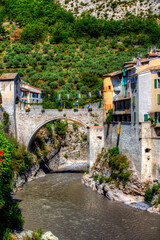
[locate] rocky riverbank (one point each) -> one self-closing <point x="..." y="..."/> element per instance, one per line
<point x="23" y="235"/>
<point x="112" y="193"/>
<point x="115" y="177"/>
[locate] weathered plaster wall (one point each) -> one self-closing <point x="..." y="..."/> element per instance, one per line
<point x="144" y="96"/>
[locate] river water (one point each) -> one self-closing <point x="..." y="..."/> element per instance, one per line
<point x="60" y="203"/>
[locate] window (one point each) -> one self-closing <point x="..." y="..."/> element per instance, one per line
<point x="109" y="87"/>
<point x="35" y="95"/>
<point x="145" y="117"/>
<point x="23" y="94"/>
<point x="157" y="117"/>
<point x="158" y="99"/>
<point x="156" y="83"/>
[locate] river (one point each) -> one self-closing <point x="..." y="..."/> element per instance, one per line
<point x="60" y="203"/>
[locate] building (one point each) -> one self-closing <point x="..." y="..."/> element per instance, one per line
<point x="10" y="91"/>
<point x="112" y="84"/>
<point x="133" y="85"/>
<point x="137" y="107"/>
<point x="30" y="94"/>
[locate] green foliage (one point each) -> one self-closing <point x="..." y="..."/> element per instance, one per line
<point x="109" y="118"/>
<point x="75" y="126"/>
<point x="157" y="201"/>
<point x="10" y="215"/>
<point x="118" y="164"/>
<point x="95" y="177"/>
<point x="61" y="128"/>
<point x="49" y="128"/>
<point x="150" y="193"/>
<point x="66" y="155"/>
<point x="6" y="122"/>
<point x="33" y="33"/>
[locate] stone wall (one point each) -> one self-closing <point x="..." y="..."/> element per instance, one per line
<point x="140" y="144"/>
<point x="95" y="143"/>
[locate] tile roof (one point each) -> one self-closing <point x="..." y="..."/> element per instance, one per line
<point x="8" y="76"/>
<point x="112" y="74"/>
<point x="147" y="69"/>
<point x="31" y="87"/>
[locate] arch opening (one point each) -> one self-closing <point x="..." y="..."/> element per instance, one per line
<point x="57" y="153"/>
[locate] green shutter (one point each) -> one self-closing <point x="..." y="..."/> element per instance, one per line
<point x="155" y="117"/>
<point x="145" y="117"/>
<point x="158" y="99"/>
<point x="155" y="83"/>
<point x="134" y="116"/>
<point x="134" y="101"/>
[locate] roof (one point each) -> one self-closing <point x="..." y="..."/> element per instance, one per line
<point x="8" y="76"/>
<point x="147" y="69"/>
<point x="23" y="86"/>
<point x="129" y="66"/>
<point x="153" y="54"/>
<point x="130" y="62"/>
<point x="112" y="74"/>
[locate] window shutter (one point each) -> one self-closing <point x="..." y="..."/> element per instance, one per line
<point x="158" y="99"/>
<point x="145" y="117"/>
<point x="134" y="116"/>
<point x="134" y="101"/>
<point x="155" y="117"/>
<point x="155" y="83"/>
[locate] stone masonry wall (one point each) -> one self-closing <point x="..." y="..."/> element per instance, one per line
<point x="140" y="144"/>
<point x="95" y="143"/>
<point x="129" y="143"/>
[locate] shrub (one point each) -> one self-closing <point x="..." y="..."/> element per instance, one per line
<point x="65" y="155"/>
<point x="89" y="109"/>
<point x="95" y="177"/>
<point x="75" y="126"/>
<point x="148" y="195"/>
<point x="101" y="179"/>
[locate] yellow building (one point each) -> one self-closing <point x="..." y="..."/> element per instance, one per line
<point x="111" y="88"/>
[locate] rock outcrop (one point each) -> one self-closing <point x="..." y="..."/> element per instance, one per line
<point x="68" y="154"/>
<point x="111" y="9"/>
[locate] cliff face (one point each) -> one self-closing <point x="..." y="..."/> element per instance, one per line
<point x="111" y="9"/>
<point x="62" y="154"/>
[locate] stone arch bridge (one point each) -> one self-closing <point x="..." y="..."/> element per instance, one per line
<point x="27" y="124"/>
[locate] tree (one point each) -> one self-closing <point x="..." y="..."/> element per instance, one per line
<point x="61" y="128"/>
<point x="33" y="33"/>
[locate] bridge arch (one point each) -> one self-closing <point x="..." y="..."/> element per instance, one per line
<point x="43" y="123"/>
